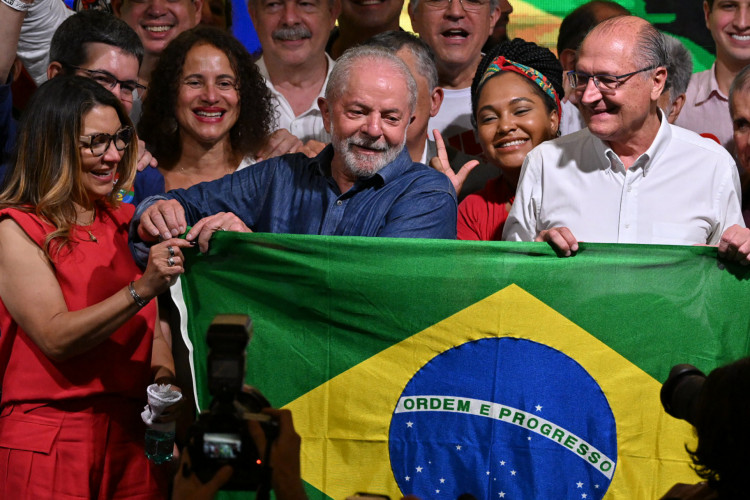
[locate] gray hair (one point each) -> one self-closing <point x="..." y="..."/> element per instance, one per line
<point x="679" y="68"/>
<point x="741" y="83"/>
<point x="396" y="40"/>
<point x="341" y="73"/>
<point x="413" y="4"/>
<point x="651" y="47"/>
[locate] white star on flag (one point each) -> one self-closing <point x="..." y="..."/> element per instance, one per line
<point x="437" y="491"/>
<point x="502" y="462"/>
<point x="538" y="407"/>
<point x="583" y="495"/>
<point x="442" y="481"/>
<point x="596" y="486"/>
<point x="458" y="446"/>
<point x="407" y="478"/>
<point x="409" y="424"/>
<point x="512" y="473"/>
<point x="579" y="484"/>
<point x="419" y="469"/>
<point x="501" y="494"/>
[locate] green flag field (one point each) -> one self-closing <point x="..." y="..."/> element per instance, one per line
<point x="438" y="368"/>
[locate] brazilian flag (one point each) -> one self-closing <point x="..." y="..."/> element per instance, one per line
<point x="438" y="368"/>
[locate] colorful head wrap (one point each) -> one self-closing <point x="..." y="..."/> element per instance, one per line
<point x="502" y="64"/>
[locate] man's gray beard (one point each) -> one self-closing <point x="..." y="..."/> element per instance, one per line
<point x="363" y="166"/>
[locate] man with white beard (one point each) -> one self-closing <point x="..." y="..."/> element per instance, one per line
<point x="363" y="184"/>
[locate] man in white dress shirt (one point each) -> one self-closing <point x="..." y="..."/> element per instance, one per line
<point x="293" y="34"/>
<point x="630" y="176"/>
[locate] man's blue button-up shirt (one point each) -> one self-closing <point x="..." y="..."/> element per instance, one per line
<point x="296" y="194"/>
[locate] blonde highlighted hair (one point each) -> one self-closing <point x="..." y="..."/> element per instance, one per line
<point x="45" y="176"/>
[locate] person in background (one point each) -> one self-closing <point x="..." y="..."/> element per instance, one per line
<point x="739" y="110"/>
<point x="455" y="31"/>
<point x="706" y="106"/>
<point x="295" y="66"/>
<point x="516" y="105"/>
<point x="418" y="56"/>
<point x="156" y="22"/>
<point x="679" y="70"/>
<point x="208" y="112"/>
<point x="80" y="339"/>
<point x="360" y="20"/>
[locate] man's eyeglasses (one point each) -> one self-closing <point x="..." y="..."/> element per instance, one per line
<point x="468" y="5"/>
<point x="607" y="84"/>
<point x="98" y="144"/>
<point x="109" y="81"/>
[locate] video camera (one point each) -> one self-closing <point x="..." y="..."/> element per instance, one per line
<point x="679" y="394"/>
<point x="220" y="436"/>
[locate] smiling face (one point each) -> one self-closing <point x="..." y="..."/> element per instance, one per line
<point x="729" y="23"/>
<point x="512" y="118"/>
<point x="293" y="32"/>
<point x="368" y="120"/>
<point x="158" y="22"/>
<point x="619" y="116"/>
<point x="110" y="59"/>
<point x="455" y="35"/>
<point x="208" y="102"/>
<point x="371" y="14"/>
<point x="98" y="172"/>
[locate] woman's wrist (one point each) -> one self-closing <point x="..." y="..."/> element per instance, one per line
<point x="139" y="299"/>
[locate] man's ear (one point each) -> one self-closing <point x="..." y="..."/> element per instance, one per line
<point x="198" y="4"/>
<point x="54" y="69"/>
<point x="676" y="108"/>
<point x="116" y="7"/>
<point x="568" y="59"/>
<point x="325" y="112"/>
<point x="659" y="80"/>
<point x="706" y="12"/>
<point x="436" y="100"/>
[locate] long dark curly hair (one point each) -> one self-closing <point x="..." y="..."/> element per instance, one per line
<point x="158" y="125"/>
<point x="526" y="53"/>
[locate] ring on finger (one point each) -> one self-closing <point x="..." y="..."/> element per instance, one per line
<point x="170" y="262"/>
<point x="171" y="251"/>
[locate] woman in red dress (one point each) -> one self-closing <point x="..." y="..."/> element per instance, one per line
<point x="79" y="340"/>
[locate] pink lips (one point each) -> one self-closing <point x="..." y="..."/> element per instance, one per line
<point x="209" y="114"/>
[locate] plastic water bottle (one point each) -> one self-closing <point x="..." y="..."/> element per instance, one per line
<point x="160" y="442"/>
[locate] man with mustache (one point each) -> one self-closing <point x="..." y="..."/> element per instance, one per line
<point x="363" y="184"/>
<point x="630" y="176"/>
<point x="293" y="34"/>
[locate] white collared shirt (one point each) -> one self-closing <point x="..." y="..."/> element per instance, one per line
<point x="684" y="190"/>
<point x="308" y="125"/>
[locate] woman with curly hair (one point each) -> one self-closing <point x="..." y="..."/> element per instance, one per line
<point x="207" y="112"/>
<point x="515" y="98"/>
<point x="80" y="338"/>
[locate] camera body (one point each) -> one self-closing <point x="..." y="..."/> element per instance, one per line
<point x="220" y="436"/>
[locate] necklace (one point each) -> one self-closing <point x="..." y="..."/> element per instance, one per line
<point x="91" y="235"/>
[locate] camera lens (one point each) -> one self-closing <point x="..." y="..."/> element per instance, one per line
<point x="679" y="394"/>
